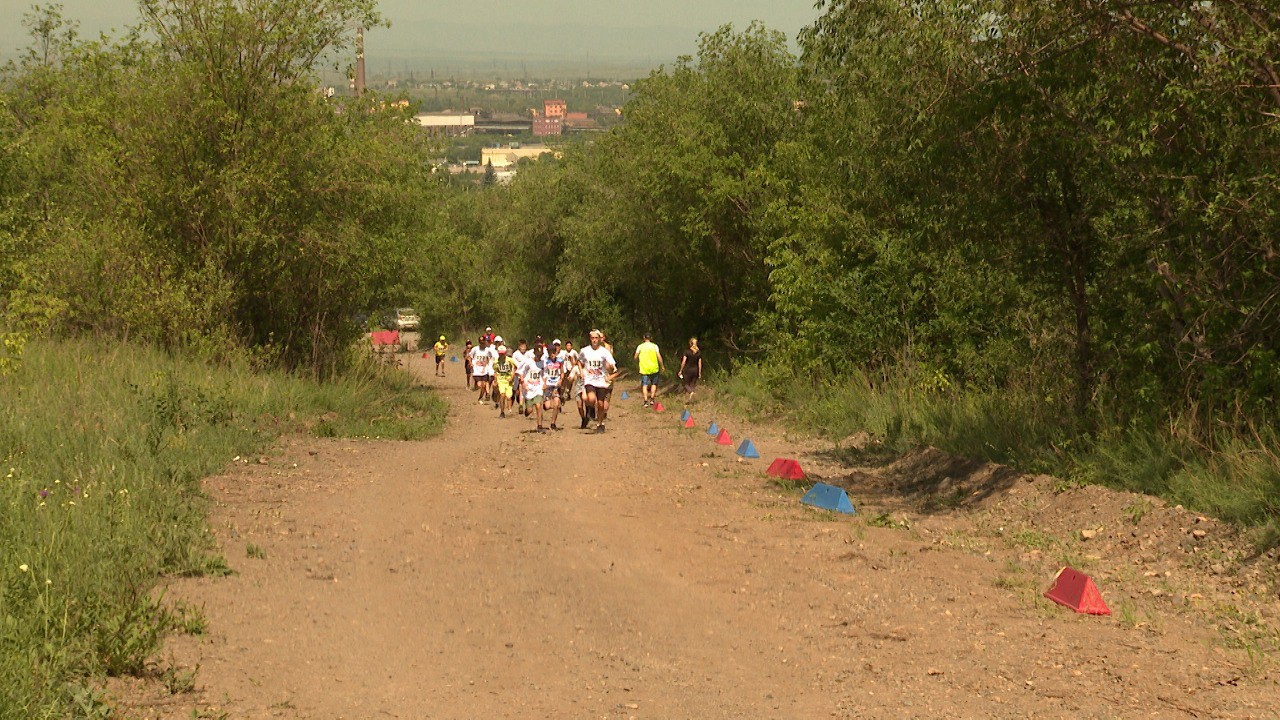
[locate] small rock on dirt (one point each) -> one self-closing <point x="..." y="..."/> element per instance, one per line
<point x="1198" y="534"/>
<point x="1088" y="534"/>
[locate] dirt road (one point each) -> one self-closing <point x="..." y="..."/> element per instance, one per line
<point x="645" y="573"/>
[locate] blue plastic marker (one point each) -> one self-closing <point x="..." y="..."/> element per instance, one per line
<point x="829" y="497"/>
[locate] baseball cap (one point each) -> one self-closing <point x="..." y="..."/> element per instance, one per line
<point x="497" y="338"/>
<point x="441" y="337"/>
<point x="556" y="342"/>
<point x="488" y="329"/>
<point x="594" y="333"/>
<point x="502" y="349"/>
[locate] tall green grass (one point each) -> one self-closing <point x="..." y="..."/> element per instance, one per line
<point x="102" y="448"/>
<point x="1234" y="477"/>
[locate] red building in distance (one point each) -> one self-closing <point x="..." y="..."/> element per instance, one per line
<point x="547" y="126"/>
<point x="554" y="109"/>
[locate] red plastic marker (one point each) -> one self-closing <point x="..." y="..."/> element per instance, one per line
<point x="1076" y="590"/>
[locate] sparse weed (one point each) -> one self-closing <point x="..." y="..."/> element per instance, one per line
<point x="1127" y="614"/>
<point x="1034" y="539"/>
<point x="790" y="487"/>
<point x="1136" y="511"/>
<point x="188" y="619"/>
<point x="886" y="520"/>
<point x="178" y="681"/>
<point x="254" y="552"/>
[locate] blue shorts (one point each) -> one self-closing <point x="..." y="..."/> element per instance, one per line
<point x="647" y="380"/>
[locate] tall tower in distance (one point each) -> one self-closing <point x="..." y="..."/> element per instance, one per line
<point x="359" y="62"/>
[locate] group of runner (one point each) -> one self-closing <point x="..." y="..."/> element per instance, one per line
<point x="539" y="380"/>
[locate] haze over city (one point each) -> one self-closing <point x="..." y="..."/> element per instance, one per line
<point x="470" y="33"/>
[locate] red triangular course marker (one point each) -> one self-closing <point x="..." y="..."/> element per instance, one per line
<point x="657" y="407"/>
<point x="688" y="422"/>
<point x="723" y="438"/>
<point x="1076" y="590"/>
<point x="785" y="468"/>
<point x="424" y="356"/>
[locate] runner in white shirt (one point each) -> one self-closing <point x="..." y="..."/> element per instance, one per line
<point x="553" y="369"/>
<point x="533" y="382"/>
<point x="518" y="357"/>
<point x="482" y="358"/>
<point x="599" y="370"/>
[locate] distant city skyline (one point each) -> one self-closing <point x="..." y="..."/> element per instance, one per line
<point x="502" y="33"/>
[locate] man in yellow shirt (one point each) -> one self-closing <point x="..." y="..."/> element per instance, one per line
<point x="651" y="365"/>
<point x="441" y="348"/>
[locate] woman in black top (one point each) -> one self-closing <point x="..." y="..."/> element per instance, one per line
<point x="691" y="366"/>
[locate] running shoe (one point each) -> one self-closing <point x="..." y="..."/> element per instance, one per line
<point x="600" y="428"/>
<point x="584" y="423"/>
<point x="553" y="426"/>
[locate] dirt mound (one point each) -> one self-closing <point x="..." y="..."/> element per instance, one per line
<point x="1148" y="554"/>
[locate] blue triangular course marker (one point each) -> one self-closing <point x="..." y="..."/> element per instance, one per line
<point x="829" y="497"/>
<point x="684" y="415"/>
<point x="748" y="449"/>
<point x="713" y="430"/>
<point x="453" y="359"/>
<point x="625" y="396"/>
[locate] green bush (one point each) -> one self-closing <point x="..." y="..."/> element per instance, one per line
<point x="102" y="448"/>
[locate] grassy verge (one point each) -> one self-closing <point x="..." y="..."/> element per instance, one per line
<point x="101" y="453"/>
<point x="1235" y="478"/>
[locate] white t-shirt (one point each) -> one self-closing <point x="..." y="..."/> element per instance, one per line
<point x="519" y="357"/>
<point x="482" y="361"/>
<point x="531" y="378"/>
<point x="596" y="364"/>
<point x="553" y="369"/>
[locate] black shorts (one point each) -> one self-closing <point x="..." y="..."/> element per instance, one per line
<point x="602" y="393"/>
<point x="439" y="359"/>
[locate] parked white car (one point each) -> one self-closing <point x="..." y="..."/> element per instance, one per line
<point x="404" y="319"/>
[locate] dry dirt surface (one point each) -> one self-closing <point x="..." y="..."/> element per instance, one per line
<point x="492" y="572"/>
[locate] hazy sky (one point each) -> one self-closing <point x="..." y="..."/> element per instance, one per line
<point x="647" y="31"/>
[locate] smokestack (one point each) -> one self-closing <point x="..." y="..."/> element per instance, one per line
<point x="359" y="62"/>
